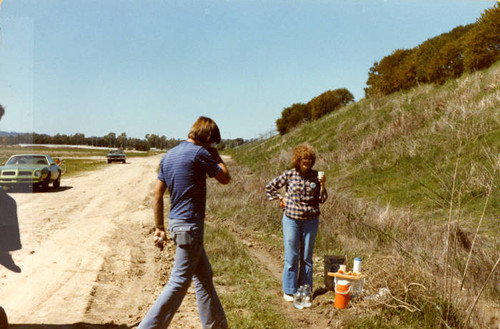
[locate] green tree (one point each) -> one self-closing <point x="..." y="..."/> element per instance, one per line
<point x="163" y="142"/>
<point x="293" y="116"/>
<point x="433" y="61"/>
<point x="110" y="140"/>
<point x="153" y="140"/>
<point x="77" y="139"/>
<point x="425" y="53"/>
<point x="444" y="60"/>
<point x="122" y="140"/>
<point x="393" y="71"/>
<point x="3" y="139"/>
<point x="141" y="145"/>
<point x="329" y="101"/>
<point x="405" y="74"/>
<point x="482" y="44"/>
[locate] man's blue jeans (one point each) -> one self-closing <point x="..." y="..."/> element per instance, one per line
<point x="190" y="263"/>
<point x="298" y="238"/>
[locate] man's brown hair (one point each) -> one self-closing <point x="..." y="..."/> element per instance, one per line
<point x="303" y="151"/>
<point x="205" y="130"/>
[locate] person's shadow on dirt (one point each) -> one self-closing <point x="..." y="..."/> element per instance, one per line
<point x="10" y="239"/>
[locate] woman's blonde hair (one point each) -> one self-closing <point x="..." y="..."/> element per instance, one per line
<point x="303" y="151"/>
<point x="205" y="130"/>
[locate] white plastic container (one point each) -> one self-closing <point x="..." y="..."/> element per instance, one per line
<point x="356" y="268"/>
<point x="357" y="286"/>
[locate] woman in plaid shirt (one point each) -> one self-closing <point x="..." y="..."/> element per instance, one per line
<point x="304" y="191"/>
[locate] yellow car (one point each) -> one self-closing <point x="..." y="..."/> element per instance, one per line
<point x="32" y="169"/>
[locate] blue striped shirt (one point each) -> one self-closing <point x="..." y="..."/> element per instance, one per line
<point x="184" y="170"/>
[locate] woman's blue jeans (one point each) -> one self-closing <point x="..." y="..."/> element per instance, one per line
<point x="298" y="238"/>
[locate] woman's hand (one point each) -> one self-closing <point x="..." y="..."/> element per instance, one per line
<point x="323" y="194"/>
<point x="282" y="203"/>
<point x="322" y="181"/>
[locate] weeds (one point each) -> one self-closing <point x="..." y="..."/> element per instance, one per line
<point x="490" y="188"/>
<point x="245" y="291"/>
<point x="412" y="185"/>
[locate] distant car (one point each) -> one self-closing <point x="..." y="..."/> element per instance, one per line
<point x="32" y="169"/>
<point x="116" y="156"/>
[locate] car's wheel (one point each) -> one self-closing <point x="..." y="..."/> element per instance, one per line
<point x="109" y="161"/>
<point x="123" y="161"/>
<point x="45" y="183"/>
<point x="57" y="182"/>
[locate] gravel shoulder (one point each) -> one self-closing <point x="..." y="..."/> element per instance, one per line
<point x="87" y="254"/>
<point x="88" y="259"/>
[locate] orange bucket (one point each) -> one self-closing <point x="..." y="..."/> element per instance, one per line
<point x="342" y="293"/>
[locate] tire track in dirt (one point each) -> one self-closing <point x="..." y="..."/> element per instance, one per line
<point x="270" y="258"/>
<point x="88" y="255"/>
<point x="87" y="250"/>
<point x="319" y="316"/>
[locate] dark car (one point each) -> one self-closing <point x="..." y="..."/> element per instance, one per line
<point x="116" y="156"/>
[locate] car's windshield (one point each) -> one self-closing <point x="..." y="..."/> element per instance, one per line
<point x="27" y="159"/>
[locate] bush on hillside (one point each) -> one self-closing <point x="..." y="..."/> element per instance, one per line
<point x="329" y="101"/>
<point x="393" y="71"/>
<point x="293" y="116"/>
<point x="404" y="194"/>
<point x="483" y="42"/>
<point x="440" y="58"/>
<point x="325" y="103"/>
<point x="446" y="56"/>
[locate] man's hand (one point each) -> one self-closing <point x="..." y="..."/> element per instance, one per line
<point x="158" y="192"/>
<point x="160" y="239"/>
<point x="223" y="176"/>
<point x="214" y="153"/>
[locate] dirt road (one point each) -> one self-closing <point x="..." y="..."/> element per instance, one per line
<point x="87" y="254"/>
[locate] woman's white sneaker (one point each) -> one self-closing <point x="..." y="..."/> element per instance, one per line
<point x="288" y="298"/>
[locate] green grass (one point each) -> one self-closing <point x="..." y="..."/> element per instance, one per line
<point x="390" y="166"/>
<point x="77" y="160"/>
<point x="247" y="293"/>
<point x="389" y="318"/>
<point x="402" y="149"/>
<point x="77" y="166"/>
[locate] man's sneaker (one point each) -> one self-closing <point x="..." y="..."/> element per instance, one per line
<point x="288" y="298"/>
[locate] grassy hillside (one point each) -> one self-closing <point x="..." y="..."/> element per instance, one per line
<point x="410" y="177"/>
<point x="402" y="149"/>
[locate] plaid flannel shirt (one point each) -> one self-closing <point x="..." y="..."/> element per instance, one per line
<point x="303" y="194"/>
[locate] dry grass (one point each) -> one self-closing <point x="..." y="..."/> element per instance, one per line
<point x="403" y="197"/>
<point x="401" y="253"/>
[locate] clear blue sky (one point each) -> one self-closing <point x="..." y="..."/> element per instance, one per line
<point x="154" y="66"/>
